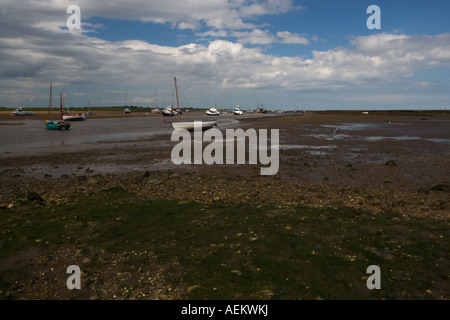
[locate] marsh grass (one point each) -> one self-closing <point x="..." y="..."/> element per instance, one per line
<point x="233" y="251"/>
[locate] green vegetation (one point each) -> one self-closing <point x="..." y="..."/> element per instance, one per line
<point x="224" y="251"/>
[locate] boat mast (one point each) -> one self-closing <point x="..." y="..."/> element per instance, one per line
<point x="61" y="105"/>
<point x="178" y="103"/>
<point x="50" y="103"/>
<point x="171" y="108"/>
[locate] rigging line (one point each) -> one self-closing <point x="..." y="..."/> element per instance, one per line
<point x="65" y="102"/>
<point x="184" y="97"/>
<point x="180" y="90"/>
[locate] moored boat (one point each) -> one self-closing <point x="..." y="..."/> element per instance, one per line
<point x="212" y="112"/>
<point x="68" y="116"/>
<point x="168" y="112"/>
<point x="189" y="125"/>
<point x="238" y="111"/>
<point x="56" y="124"/>
<point x="20" y="112"/>
<point x="89" y="109"/>
<point x="74" y="116"/>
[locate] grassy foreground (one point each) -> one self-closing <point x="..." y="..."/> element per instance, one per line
<point x="130" y="248"/>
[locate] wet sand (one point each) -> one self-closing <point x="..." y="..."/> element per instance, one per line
<point x="381" y="161"/>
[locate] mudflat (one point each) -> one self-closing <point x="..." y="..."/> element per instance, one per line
<point x="380" y="180"/>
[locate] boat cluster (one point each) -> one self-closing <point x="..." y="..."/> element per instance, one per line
<point x="62" y="123"/>
<point x="170" y="112"/>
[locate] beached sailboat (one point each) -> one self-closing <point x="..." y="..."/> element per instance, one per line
<point x="155" y="109"/>
<point x="74" y="116"/>
<point x="189" y="125"/>
<point x="168" y="111"/>
<point x="212" y="112"/>
<point x="68" y="116"/>
<point x="126" y="110"/>
<point x="59" y="124"/>
<point x="260" y="108"/>
<point x="89" y="109"/>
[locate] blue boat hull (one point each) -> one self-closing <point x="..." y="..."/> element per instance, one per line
<point x="57" y="125"/>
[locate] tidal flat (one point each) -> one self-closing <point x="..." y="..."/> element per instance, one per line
<point x="352" y="191"/>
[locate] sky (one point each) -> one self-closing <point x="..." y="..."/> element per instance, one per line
<point x="280" y="54"/>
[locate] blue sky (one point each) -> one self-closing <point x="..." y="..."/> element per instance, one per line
<point x="303" y="54"/>
<point x="330" y="20"/>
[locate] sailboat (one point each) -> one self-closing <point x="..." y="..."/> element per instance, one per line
<point x="56" y="125"/>
<point x="155" y="109"/>
<point x="72" y="116"/>
<point x="127" y="110"/>
<point x="189" y="125"/>
<point x="89" y="109"/>
<point x="260" y="108"/>
<point x="212" y="112"/>
<point x="168" y="112"/>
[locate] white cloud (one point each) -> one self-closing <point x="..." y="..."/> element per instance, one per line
<point x="425" y="84"/>
<point x="219" y="14"/>
<point x="213" y="34"/>
<point x="255" y="36"/>
<point x="291" y="38"/>
<point x="264" y="37"/>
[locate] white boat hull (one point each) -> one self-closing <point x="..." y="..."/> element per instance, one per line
<point x="212" y="112"/>
<point x="238" y="111"/>
<point x="168" y="112"/>
<point x="74" y="117"/>
<point x="19" y="112"/>
<point x="190" y="125"/>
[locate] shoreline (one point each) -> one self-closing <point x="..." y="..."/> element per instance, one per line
<point x="5" y="115"/>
